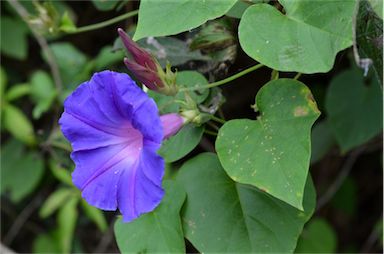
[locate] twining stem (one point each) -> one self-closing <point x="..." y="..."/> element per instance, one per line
<point x="210" y="132"/>
<point x="221" y="113"/>
<point x="104" y="23"/>
<point x="213" y="126"/>
<point x="297" y="76"/>
<point x="217" y="119"/>
<point x="224" y="81"/>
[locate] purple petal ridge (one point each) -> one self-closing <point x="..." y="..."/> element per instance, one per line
<point x="115" y="131"/>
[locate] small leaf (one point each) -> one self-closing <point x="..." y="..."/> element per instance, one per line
<point x="182" y="143"/>
<point x="192" y="79"/>
<point x="54" y="201"/>
<point x="172" y="17"/>
<point x="317" y="237"/>
<point x="13" y="38"/>
<point x="272" y="153"/>
<point x="18" y="124"/>
<point x="354" y="109"/>
<point x="17" y="91"/>
<point x="20" y="172"/>
<point x="223" y="216"/>
<point x="95" y="215"/>
<point x="303" y="40"/>
<point x="67" y="218"/>
<point x="158" y="231"/>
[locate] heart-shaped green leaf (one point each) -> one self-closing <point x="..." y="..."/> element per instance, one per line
<point x="173" y="17"/>
<point x="158" y="231"/>
<point x="355" y="110"/>
<point x="273" y="152"/>
<point x="305" y="40"/>
<point x="223" y="216"/>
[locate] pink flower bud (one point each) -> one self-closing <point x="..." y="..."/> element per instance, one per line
<point x="149" y="78"/>
<point x="172" y="123"/>
<point x="147" y="69"/>
<point x="140" y="56"/>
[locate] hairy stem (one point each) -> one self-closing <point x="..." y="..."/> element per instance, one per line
<point x="224" y="81"/>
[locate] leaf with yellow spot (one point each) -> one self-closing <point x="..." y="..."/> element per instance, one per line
<point x="273" y="152"/>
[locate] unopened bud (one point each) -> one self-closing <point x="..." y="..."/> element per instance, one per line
<point x="147" y="69"/>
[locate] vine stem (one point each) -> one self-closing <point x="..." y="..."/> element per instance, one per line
<point x="104" y="23"/>
<point x="344" y="172"/>
<point x="224" y="81"/>
<point x="297" y="76"/>
<point x="212" y="133"/>
<point x="217" y="119"/>
<point x="23" y="13"/>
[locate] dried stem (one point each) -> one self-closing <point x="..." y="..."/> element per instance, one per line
<point x="21" y="219"/>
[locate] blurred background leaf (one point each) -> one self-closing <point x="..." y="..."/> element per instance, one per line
<point x="21" y="171"/>
<point x="67" y="219"/>
<point x="95" y="215"/>
<point x="322" y="140"/>
<point x="354" y="107"/>
<point x="55" y="201"/>
<point x="13" y="37"/>
<point x="18" y="124"/>
<point x="105" y="5"/>
<point x="318" y="237"/>
<point x="42" y="92"/>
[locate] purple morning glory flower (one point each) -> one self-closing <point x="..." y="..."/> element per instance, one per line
<point x="115" y="131"/>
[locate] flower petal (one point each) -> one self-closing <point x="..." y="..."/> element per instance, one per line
<point x="117" y="92"/>
<point x="139" y="188"/>
<point x="146" y="119"/>
<point x="85" y="134"/>
<point x="98" y="171"/>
